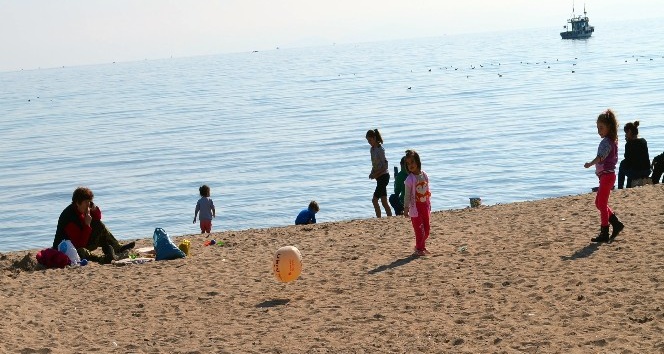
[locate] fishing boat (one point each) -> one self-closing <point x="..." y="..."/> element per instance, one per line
<point x="578" y="27"/>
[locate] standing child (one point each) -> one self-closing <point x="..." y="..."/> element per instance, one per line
<point x="308" y="216"/>
<point x="605" y="165"/>
<point x="379" y="171"/>
<point x="417" y="201"/>
<point x="206" y="208"/>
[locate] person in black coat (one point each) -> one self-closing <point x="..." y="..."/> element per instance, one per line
<point x="80" y="222"/>
<point x="657" y="168"/>
<point x="636" y="163"/>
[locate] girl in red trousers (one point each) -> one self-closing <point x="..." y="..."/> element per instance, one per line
<point x="417" y="201"/>
<point x="605" y="165"/>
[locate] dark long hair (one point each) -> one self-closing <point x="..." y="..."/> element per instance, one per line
<point x="632" y="127"/>
<point x="375" y="134"/>
<point x="416" y="157"/>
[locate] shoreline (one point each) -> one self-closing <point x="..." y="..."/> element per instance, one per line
<point x="520" y="276"/>
<point x="148" y="239"/>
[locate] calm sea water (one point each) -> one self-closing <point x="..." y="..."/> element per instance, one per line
<point x="502" y="116"/>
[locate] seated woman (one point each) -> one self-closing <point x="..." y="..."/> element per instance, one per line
<point x="636" y="163"/>
<point x="81" y="223"/>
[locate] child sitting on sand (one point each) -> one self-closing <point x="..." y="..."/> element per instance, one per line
<point x="396" y="199"/>
<point x="307" y="216"/>
<point x="206" y="208"/>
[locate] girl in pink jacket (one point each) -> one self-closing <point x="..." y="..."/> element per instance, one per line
<point x="417" y="201"/>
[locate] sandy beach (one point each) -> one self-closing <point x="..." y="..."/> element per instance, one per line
<point x="513" y="278"/>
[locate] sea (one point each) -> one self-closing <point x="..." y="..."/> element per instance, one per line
<point x="502" y="116"/>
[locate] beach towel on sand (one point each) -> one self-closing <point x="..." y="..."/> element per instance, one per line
<point x="137" y="260"/>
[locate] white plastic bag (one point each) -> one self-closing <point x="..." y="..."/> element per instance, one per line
<point x="68" y="248"/>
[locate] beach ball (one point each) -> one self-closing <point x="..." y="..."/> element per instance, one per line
<point x="287" y="264"/>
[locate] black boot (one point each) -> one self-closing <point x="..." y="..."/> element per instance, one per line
<point x="603" y="235"/>
<point x="617" y="226"/>
<point x="109" y="254"/>
<point x="127" y="246"/>
<point x="95" y="258"/>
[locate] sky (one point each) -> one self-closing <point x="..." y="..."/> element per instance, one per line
<point x="55" y="33"/>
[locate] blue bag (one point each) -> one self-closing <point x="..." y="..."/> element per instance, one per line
<point x="164" y="247"/>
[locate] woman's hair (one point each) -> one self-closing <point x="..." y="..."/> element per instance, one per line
<point x="313" y="206"/>
<point x="608" y="118"/>
<point x="374" y="134"/>
<point x="415" y="156"/>
<point x="204" y="190"/>
<point x="632" y="127"/>
<point x="82" y="194"/>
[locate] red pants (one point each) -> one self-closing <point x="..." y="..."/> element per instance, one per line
<point x="421" y="225"/>
<point x="606" y="182"/>
<point x="206" y="226"/>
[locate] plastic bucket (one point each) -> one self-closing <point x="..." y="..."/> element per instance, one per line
<point x="475" y="202"/>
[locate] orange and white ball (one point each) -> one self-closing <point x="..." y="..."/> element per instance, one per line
<point x="287" y="264"/>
